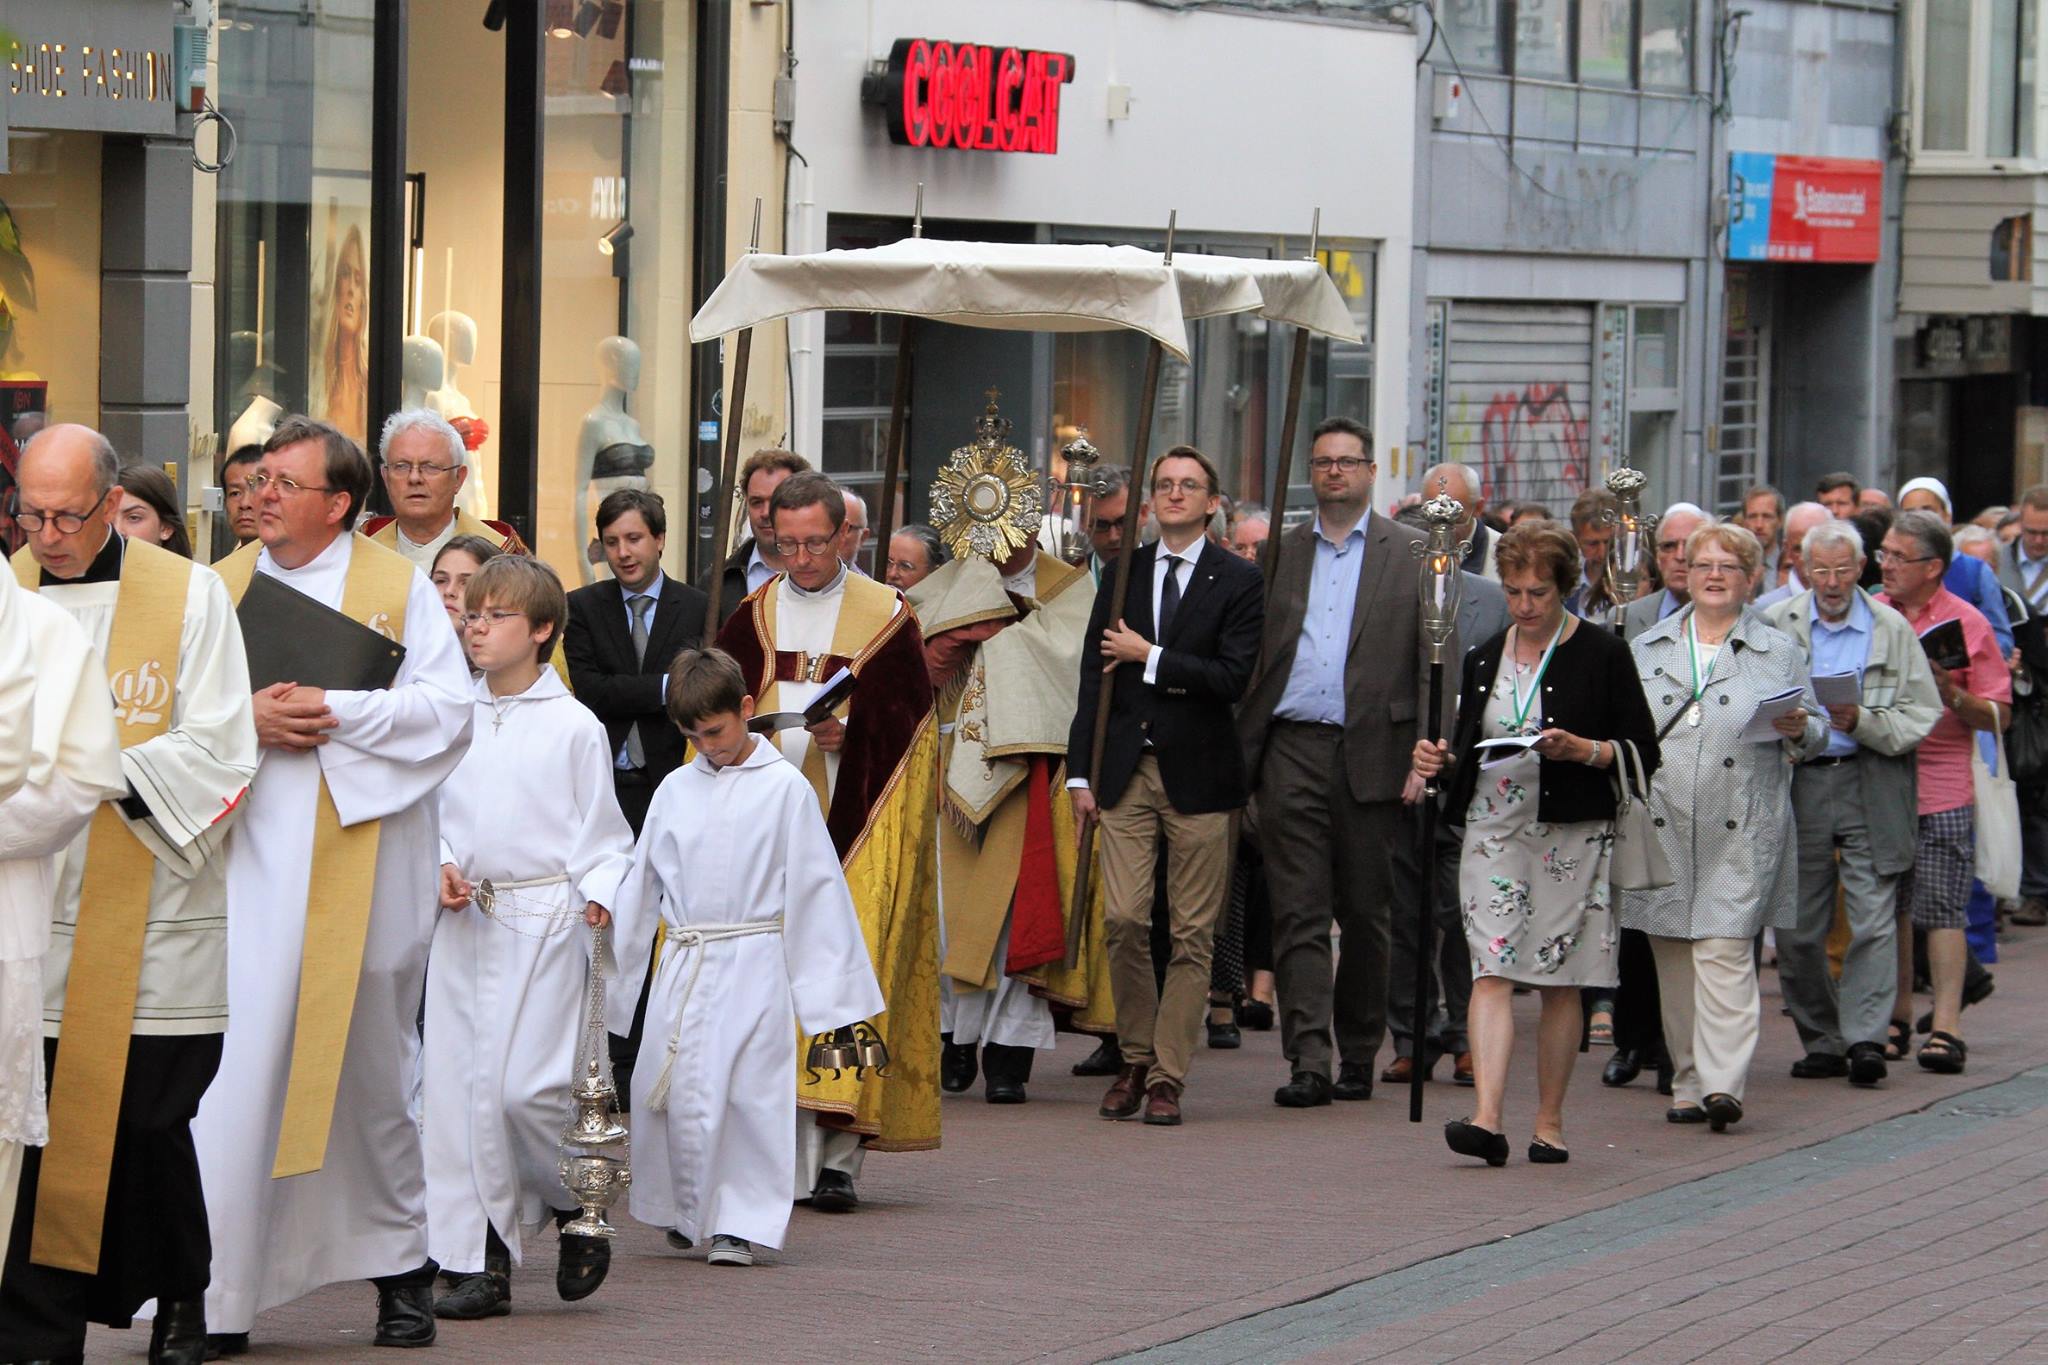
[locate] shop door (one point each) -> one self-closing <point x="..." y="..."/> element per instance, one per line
<point x="1518" y="396"/>
<point x="1745" y="394"/>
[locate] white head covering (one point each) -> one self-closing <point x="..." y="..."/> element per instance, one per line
<point x="1934" y="486"/>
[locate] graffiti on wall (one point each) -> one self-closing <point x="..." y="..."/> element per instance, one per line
<point x="1529" y="444"/>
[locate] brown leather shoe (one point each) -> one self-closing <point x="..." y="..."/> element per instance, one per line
<point x="1461" y="1071"/>
<point x="1124" y="1097"/>
<point x="1399" y="1071"/>
<point x="1162" y="1105"/>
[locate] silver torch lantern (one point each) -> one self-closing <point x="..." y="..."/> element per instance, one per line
<point x="1629" y="552"/>
<point x="1441" y="585"/>
<point x="594" y="1164"/>
<point x="1073" y="500"/>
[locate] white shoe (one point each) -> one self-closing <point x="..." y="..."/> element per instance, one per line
<point x="730" y="1251"/>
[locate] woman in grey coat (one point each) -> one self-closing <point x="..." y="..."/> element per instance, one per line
<point x="1722" y="808"/>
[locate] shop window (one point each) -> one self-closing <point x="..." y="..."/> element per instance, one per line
<point x="1640" y="44"/>
<point x="1653" y="391"/>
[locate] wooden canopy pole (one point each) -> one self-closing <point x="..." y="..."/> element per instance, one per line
<point x="899" y="401"/>
<point x="1120" y="588"/>
<point x="734" y="415"/>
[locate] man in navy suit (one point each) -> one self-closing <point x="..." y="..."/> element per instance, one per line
<point x="1181" y="655"/>
<point x="622" y="635"/>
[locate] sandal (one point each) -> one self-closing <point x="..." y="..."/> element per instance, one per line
<point x="1600" y="1033"/>
<point x="1898" y="1040"/>
<point x="1943" y="1052"/>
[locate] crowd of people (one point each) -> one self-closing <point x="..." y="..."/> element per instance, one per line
<point x="349" y="819"/>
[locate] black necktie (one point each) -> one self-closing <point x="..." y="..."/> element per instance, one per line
<point x="1169" y="596"/>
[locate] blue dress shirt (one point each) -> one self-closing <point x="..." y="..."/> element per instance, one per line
<point x="652" y="592"/>
<point x="1315" y="686"/>
<point x="1842" y="647"/>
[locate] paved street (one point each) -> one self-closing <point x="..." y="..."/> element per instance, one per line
<point x="1906" y="1223"/>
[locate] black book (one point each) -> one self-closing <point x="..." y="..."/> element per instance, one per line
<point x="292" y="638"/>
<point x="837" y="690"/>
<point x="1945" y="645"/>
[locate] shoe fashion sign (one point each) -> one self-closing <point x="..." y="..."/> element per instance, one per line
<point x="1803" y="208"/>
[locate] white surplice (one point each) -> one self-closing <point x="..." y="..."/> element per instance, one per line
<point x="192" y="778"/>
<point x="60" y="757"/>
<point x="531" y="801"/>
<point x="364" y="1213"/>
<point x="743" y="845"/>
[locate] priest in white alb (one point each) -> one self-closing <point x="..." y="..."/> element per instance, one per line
<point x="59" y="758"/>
<point x="135" y="983"/>
<point x="312" y="1158"/>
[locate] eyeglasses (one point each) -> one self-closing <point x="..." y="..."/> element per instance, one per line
<point x="404" y="469"/>
<point x="480" y="620"/>
<point x="818" y="545"/>
<point x="1104" y="525"/>
<point x="259" y="482"/>
<point x="1886" y="558"/>
<point x="1323" y="464"/>
<point x="67" y="523"/>
<point x="1714" y="569"/>
<point x="1190" y="486"/>
<point x="1847" y="574"/>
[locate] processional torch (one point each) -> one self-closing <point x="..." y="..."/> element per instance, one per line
<point x="1629" y="552"/>
<point x="1072" y="500"/>
<point x="594" y="1164"/>
<point x="1441" y="587"/>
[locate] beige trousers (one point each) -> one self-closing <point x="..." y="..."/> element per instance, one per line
<point x="1709" y="993"/>
<point x="1158" y="1030"/>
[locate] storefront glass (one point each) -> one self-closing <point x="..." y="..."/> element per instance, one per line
<point x="292" y="299"/>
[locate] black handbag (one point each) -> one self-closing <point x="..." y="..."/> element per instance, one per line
<point x="2026" y="743"/>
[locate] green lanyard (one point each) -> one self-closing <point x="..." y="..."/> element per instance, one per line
<point x="1699" y="678"/>
<point x="1523" y="706"/>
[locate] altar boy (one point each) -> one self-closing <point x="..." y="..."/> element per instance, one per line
<point x="737" y="865"/>
<point x="531" y="809"/>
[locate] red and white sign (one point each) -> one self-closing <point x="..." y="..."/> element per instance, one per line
<point x="1804" y="208"/>
<point x="974" y="97"/>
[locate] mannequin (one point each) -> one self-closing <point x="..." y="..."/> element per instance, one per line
<point x="255" y="424"/>
<point x="610" y="453"/>
<point x="424" y="369"/>
<point x="456" y="333"/>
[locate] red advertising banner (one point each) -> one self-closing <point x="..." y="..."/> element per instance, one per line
<point x="1804" y="208"/>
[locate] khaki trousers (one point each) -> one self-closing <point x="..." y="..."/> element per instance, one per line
<point x="1159" y="1030"/>
<point x="1709" y="996"/>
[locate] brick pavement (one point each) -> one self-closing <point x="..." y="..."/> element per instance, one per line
<point x="1044" y="1233"/>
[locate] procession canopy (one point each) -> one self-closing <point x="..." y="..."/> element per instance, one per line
<point x="1029" y="287"/>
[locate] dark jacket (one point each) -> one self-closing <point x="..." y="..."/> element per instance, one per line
<point x="734" y="572"/>
<point x="605" y="677"/>
<point x="1205" y="664"/>
<point x="1590" y="689"/>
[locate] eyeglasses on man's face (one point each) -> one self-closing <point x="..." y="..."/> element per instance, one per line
<point x="405" y="469"/>
<point x="1345" y="464"/>
<point x="1191" y="487"/>
<point x="1889" y="558"/>
<point x="67" y="523"/>
<point x="260" y="483"/>
<point x="817" y="545"/>
<point x="486" y="620"/>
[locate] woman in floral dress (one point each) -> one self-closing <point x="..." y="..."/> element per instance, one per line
<point x="1539" y="827"/>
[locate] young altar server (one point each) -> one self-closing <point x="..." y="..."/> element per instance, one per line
<point x="736" y="864"/>
<point x="531" y="810"/>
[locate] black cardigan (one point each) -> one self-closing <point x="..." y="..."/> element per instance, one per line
<point x="1590" y="689"/>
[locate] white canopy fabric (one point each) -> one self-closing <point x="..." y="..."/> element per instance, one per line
<point x="1033" y="287"/>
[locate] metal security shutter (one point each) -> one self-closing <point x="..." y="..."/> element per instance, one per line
<point x="1518" y="398"/>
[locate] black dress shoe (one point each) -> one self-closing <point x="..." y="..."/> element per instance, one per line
<point x="405" y="1315"/>
<point x="477" y="1296"/>
<point x="1722" y="1110"/>
<point x="1469" y="1139"/>
<point x="1542" y="1153"/>
<point x="1354" y="1082"/>
<point x="957" y="1065"/>
<point x="581" y="1263"/>
<point x="1820" y="1066"/>
<point x="1866" y="1064"/>
<point x="1685" y="1113"/>
<point x="178" y="1337"/>
<point x="1106" y="1060"/>
<point x="834" y="1193"/>
<point x="1256" y="1015"/>
<point x="1307" y="1090"/>
<point x="219" y="1344"/>
<point x="1624" y="1066"/>
<point x="1007" y="1068"/>
<point x="1224" y="1037"/>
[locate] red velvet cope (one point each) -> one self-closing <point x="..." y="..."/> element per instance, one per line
<point x="1038" y="932"/>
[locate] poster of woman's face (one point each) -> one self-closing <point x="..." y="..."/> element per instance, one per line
<point x="339" y="382"/>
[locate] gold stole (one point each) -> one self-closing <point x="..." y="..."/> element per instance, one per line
<point x="113" y="911"/>
<point x="865" y="610"/>
<point x="339" y="887"/>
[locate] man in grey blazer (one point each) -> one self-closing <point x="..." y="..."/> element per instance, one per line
<point x="1855" y="807"/>
<point x="1328" y="729"/>
<point x="2023" y="569"/>
<point x="1680" y="520"/>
